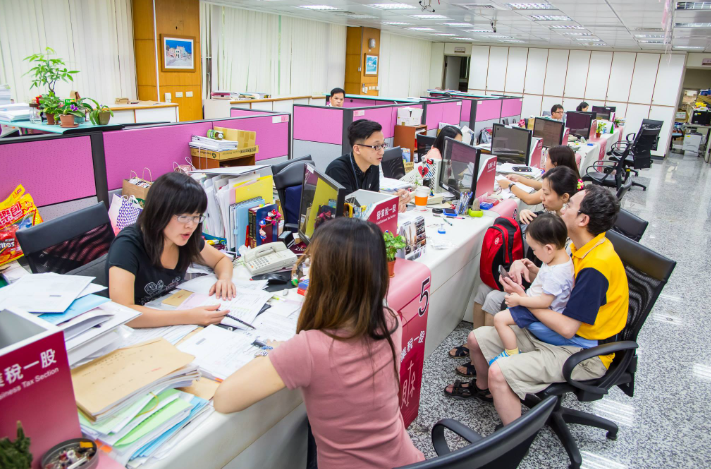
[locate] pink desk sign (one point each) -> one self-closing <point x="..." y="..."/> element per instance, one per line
<point x="536" y="160"/>
<point x="409" y="295"/>
<point x="35" y="384"/>
<point x="506" y="208"/>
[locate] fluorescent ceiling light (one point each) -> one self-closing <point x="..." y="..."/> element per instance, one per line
<point x="693" y="6"/>
<point x="463" y="38"/>
<point x="357" y="16"/>
<point x="478" y="31"/>
<point x="499" y="37"/>
<point x="653" y="41"/>
<point x="429" y="17"/>
<point x="692" y="25"/>
<point x="550" y="18"/>
<point x="320" y="8"/>
<point x="514" y="41"/>
<point x="566" y="26"/>
<point x="393" y="6"/>
<point x="650" y="36"/>
<point x="396" y="23"/>
<point x="530" y="6"/>
<point x="444" y="34"/>
<point x="687" y="47"/>
<point x="458" y="25"/>
<point x="421" y="29"/>
<point x="588" y="39"/>
<point x="577" y="34"/>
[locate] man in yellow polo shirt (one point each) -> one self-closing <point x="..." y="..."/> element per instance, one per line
<point x="597" y="311"/>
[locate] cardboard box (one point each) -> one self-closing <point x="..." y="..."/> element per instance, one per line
<point x="409" y="116"/>
<point x="244" y="138"/>
<point x="224" y="155"/>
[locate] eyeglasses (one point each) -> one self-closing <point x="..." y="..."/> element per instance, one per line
<point x="557" y="112"/>
<point x="185" y="219"/>
<point x="384" y="146"/>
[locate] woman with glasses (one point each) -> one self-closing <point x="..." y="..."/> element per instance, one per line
<point x="150" y="258"/>
<point x="359" y="169"/>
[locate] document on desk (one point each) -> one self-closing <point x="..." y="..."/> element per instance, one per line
<point x="44" y="293"/>
<point x="219" y="352"/>
<point x="203" y="284"/>
<point x="172" y="334"/>
<point x="270" y="326"/>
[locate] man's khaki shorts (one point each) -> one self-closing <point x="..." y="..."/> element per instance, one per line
<point x="538" y="365"/>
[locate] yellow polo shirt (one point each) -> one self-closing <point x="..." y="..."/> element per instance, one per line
<point x="600" y="297"/>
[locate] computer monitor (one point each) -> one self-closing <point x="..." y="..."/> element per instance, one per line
<point x="551" y="131"/>
<point x="466" y="169"/>
<point x="322" y="199"/>
<point x="511" y="144"/>
<point x="579" y="123"/>
<point x="604" y="112"/>
<point x="393" y="164"/>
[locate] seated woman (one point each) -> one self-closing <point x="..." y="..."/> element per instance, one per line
<point x="561" y="155"/>
<point x="583" y="107"/>
<point x="150" y="258"/>
<point x="345" y="356"/>
<point x="559" y="185"/>
<point x="437" y="149"/>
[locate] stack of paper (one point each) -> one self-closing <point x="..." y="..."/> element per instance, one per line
<point x="149" y="425"/>
<point x="44" y="293"/>
<point x="15" y="112"/>
<point x="114" y="382"/>
<point x="5" y="97"/>
<point x="219" y="352"/>
<point x="212" y="144"/>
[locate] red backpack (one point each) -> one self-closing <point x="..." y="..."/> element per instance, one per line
<point x="502" y="245"/>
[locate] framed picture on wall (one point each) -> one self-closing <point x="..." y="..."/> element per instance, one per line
<point x="178" y="53"/>
<point x="371" y="64"/>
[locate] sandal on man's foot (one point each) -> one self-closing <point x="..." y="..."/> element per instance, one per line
<point x="460" y="352"/>
<point x="471" y="371"/>
<point x="481" y="394"/>
<point x="459" y="391"/>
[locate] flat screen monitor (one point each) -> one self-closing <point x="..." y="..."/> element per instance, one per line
<point x="511" y="144"/>
<point x="579" y="123"/>
<point x="463" y="167"/>
<point x="551" y="131"/>
<point x="603" y="112"/>
<point x="322" y="199"/>
<point x="393" y="164"/>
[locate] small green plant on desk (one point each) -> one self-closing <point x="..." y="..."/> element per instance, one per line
<point x="392" y="245"/>
<point x="47" y="71"/>
<point x="101" y="114"/>
<point x="16" y="455"/>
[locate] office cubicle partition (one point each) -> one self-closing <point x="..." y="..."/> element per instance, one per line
<point x="480" y="112"/>
<point x="273" y="133"/>
<point x="511" y="108"/>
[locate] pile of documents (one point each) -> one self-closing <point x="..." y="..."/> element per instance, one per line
<point x="231" y="192"/>
<point x="5" y="96"/>
<point x="128" y="400"/>
<point x="90" y="322"/>
<point x="205" y="143"/>
<point x="15" y="112"/>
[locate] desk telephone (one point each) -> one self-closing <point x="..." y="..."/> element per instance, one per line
<point x="269" y="258"/>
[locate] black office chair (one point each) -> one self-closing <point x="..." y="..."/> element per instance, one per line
<point x="626" y="186"/>
<point x="630" y="225"/>
<point x="505" y="448"/>
<point x="607" y="173"/>
<point x="424" y="143"/>
<point x="288" y="183"/>
<point x="636" y="151"/>
<point x="73" y="244"/>
<point x="279" y="166"/>
<point x="647" y="273"/>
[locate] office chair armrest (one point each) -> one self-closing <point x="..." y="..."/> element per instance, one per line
<point x="627" y="137"/>
<point x="604" y="349"/>
<point x="615" y="148"/>
<point x="440" y="443"/>
<point x="602" y="165"/>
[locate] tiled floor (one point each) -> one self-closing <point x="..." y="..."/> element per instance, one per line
<point x="666" y="424"/>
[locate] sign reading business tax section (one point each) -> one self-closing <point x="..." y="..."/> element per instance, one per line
<point x="36" y="389"/>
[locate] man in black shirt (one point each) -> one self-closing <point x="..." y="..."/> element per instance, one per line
<point x="359" y="169"/>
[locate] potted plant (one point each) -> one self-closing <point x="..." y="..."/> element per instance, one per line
<point x="47" y="70"/>
<point x="600" y="129"/>
<point x="392" y="245"/>
<point x="68" y="114"/>
<point x="101" y="114"/>
<point x="50" y="105"/>
<point x="16" y="454"/>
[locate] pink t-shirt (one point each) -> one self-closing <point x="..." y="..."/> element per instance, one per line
<point x="433" y="154"/>
<point x="351" y="399"/>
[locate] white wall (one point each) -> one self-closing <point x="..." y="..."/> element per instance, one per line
<point x="641" y="85"/>
<point x="405" y="66"/>
<point x="436" y="65"/>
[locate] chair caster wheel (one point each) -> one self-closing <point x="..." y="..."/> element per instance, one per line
<point x="611" y="436"/>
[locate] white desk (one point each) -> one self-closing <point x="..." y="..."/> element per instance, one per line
<point x="599" y="148"/>
<point x="272" y="433"/>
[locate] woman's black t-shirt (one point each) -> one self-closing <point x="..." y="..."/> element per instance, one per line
<point x="129" y="253"/>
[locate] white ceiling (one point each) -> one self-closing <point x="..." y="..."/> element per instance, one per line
<point x="611" y="24"/>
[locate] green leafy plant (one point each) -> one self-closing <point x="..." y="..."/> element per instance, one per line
<point x="71" y="109"/>
<point x="16" y="455"/>
<point x="47" y="71"/>
<point x="50" y="104"/>
<point x="600" y="127"/>
<point x="393" y="244"/>
<point x="94" y="114"/>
